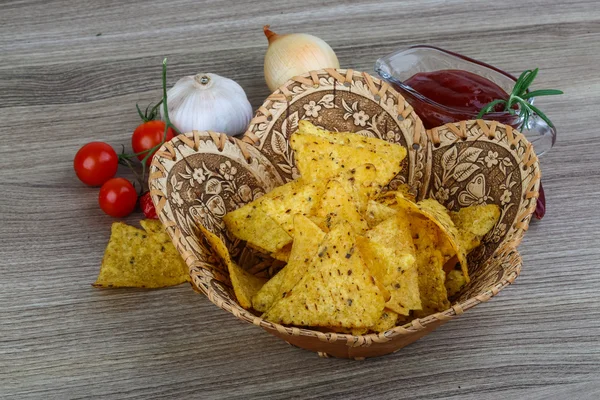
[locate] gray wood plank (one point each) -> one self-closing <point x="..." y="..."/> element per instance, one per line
<point x="62" y="85"/>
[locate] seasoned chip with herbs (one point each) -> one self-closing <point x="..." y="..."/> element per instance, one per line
<point x="430" y="262"/>
<point x="473" y="223"/>
<point x="300" y="198"/>
<point x="365" y="143"/>
<point x="388" y="320"/>
<point x="390" y="254"/>
<point x="455" y="281"/>
<point x="451" y="246"/>
<point x="266" y="222"/>
<point x="318" y="159"/>
<point x="306" y="243"/>
<point x="336" y="206"/>
<point x="438" y="214"/>
<point x="338" y="290"/>
<point x="252" y="224"/>
<point x="138" y="258"/>
<point x="245" y="285"/>
<point x="360" y="183"/>
<point x="282" y="254"/>
<point x="377" y="213"/>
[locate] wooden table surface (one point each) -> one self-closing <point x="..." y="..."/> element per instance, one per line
<point x="71" y="72"/>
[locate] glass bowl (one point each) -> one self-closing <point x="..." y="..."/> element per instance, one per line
<point x="397" y="67"/>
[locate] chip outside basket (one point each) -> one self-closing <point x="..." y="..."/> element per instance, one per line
<point x="198" y="177"/>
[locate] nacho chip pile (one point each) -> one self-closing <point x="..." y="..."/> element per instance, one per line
<point x="358" y="260"/>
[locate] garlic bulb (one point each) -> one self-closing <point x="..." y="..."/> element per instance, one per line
<point x="208" y="102"/>
<point x="295" y="54"/>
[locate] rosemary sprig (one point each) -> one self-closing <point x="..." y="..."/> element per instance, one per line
<point x="519" y="96"/>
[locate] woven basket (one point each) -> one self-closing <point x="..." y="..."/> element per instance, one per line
<point x="198" y="177"/>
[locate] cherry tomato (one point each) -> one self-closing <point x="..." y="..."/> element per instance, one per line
<point x="117" y="197"/>
<point x="148" y="135"/>
<point x="95" y="163"/>
<point x="147" y="206"/>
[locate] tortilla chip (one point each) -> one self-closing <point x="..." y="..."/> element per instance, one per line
<point x="245" y="285"/>
<point x="346" y="331"/>
<point x="388" y="320"/>
<point x="158" y="232"/>
<point x="439" y="215"/>
<point x="318" y="159"/>
<point x="137" y="258"/>
<point x="338" y="289"/>
<point x="300" y="198"/>
<point x="434" y="297"/>
<point x="354" y="140"/>
<point x="266" y="223"/>
<point x="473" y="223"/>
<point x="282" y="254"/>
<point x="360" y="183"/>
<point x="154" y="226"/>
<point x="406" y="191"/>
<point x="369" y="253"/>
<point x="455" y="281"/>
<point x="377" y="213"/>
<point x="390" y="255"/>
<point x="252" y="224"/>
<point x="306" y="243"/>
<point x="336" y="206"/>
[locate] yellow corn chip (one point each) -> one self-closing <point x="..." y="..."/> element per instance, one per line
<point x="136" y="258"/>
<point x="306" y="243"/>
<point x="354" y="140"/>
<point x="338" y="289"/>
<point x="406" y="192"/>
<point x="252" y="224"/>
<point x="368" y="252"/>
<point x="300" y="198"/>
<point x="439" y="215"/>
<point x="245" y="285"/>
<point x="390" y="255"/>
<point x="158" y="232"/>
<point x="434" y="297"/>
<point x="264" y="298"/>
<point x="282" y="254"/>
<point x="267" y="226"/>
<point x="154" y="226"/>
<point x="387" y="321"/>
<point x="455" y="281"/>
<point x="346" y="331"/>
<point x="360" y="183"/>
<point x="336" y="206"/>
<point x="473" y="223"/>
<point x="318" y="159"/>
<point x="377" y="213"/>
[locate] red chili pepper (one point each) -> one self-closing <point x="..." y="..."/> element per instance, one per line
<point x="147" y="206"/>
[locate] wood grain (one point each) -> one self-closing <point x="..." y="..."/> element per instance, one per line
<point x="71" y="72"/>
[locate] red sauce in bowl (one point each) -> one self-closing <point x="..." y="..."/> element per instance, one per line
<point x="457" y="89"/>
<point x="460" y="95"/>
<point x="452" y="95"/>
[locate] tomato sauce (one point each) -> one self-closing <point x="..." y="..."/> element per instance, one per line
<point x="454" y="95"/>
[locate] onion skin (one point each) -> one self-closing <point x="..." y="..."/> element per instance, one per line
<point x="295" y="54"/>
